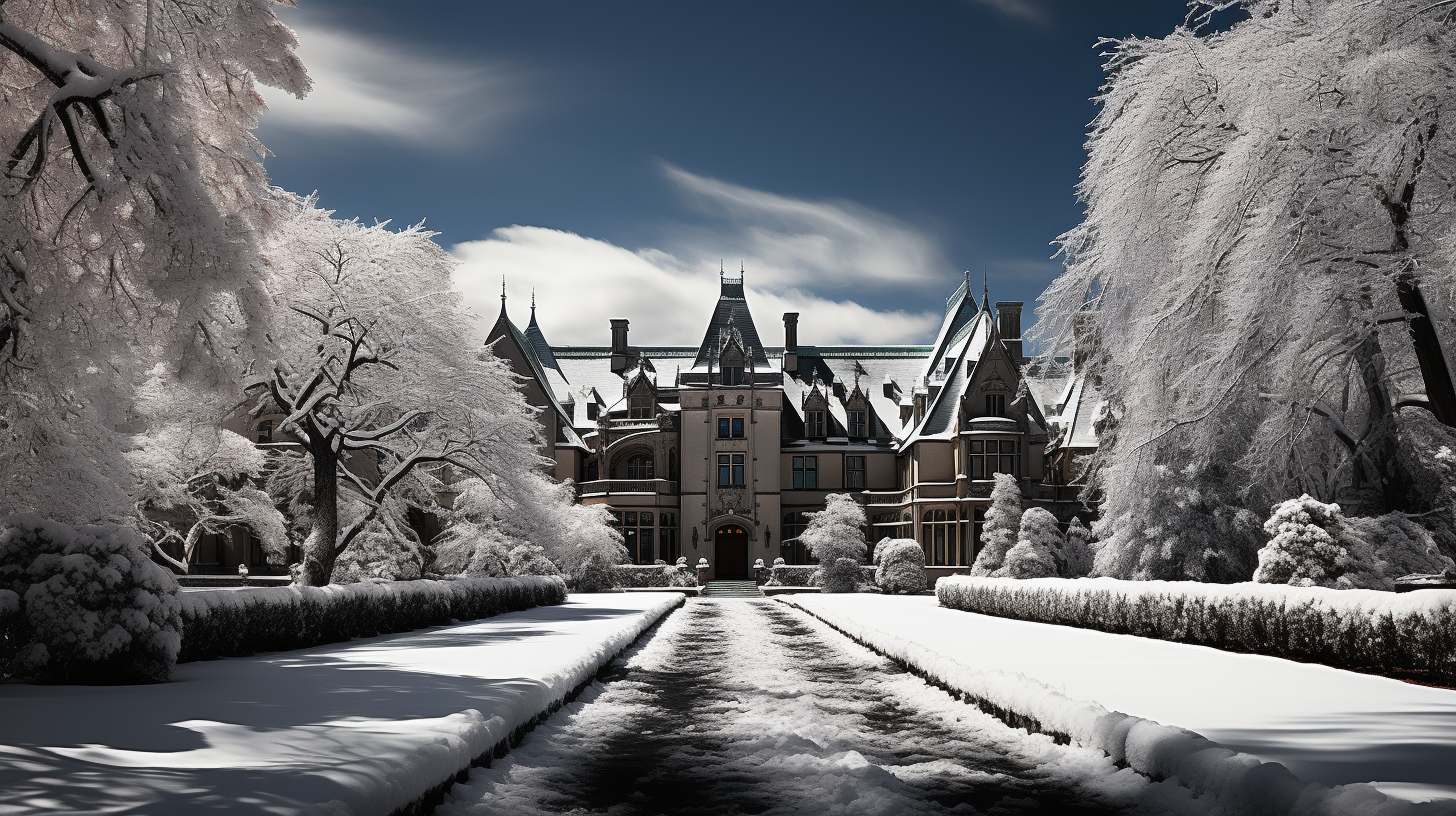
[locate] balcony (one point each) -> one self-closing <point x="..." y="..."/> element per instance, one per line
<point x="607" y="487"/>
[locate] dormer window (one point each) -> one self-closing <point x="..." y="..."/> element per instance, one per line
<point x="730" y="365"/>
<point x="858" y="426"/>
<point x="733" y="375"/>
<point x="642" y="407"/>
<point x="814" y="424"/>
<point x="996" y="405"/>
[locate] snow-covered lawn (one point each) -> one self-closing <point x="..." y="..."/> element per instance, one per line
<point x="357" y="728"/>
<point x="1326" y="725"/>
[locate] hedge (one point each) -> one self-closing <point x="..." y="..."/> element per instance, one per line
<point x="231" y="623"/>
<point x="1405" y="635"/>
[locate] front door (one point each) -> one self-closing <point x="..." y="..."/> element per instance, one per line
<point x="731" y="552"/>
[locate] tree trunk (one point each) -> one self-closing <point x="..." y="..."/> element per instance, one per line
<point x="1377" y="476"/>
<point x="1440" y="393"/>
<point x="318" y="550"/>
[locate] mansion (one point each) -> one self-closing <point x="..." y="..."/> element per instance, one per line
<point x="719" y="450"/>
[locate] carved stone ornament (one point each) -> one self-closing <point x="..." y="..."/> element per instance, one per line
<point x="740" y="399"/>
<point x="705" y="402"/>
<point x="758" y="402"/>
<point x="981" y="490"/>
<point x="994" y="383"/>
<point x="720" y="399"/>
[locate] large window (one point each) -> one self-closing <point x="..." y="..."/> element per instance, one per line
<point x="790" y="549"/>
<point x="730" y="470"/>
<point x="730" y="427"/>
<point x="639" y="466"/>
<point x="854" y="472"/>
<point x="938" y="538"/>
<point x="814" y="424"/>
<point x="639" y="531"/>
<point x="806" y="472"/>
<point x="858" y="427"/>
<point x="995" y="405"/>
<point x="667" y="543"/>
<point x="992" y="456"/>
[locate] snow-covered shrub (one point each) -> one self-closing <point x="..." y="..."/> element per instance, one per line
<point x="655" y="575"/>
<point x="795" y="575"/>
<point x="529" y="559"/>
<point x="1407" y="634"/>
<point x="1038" y="549"/>
<point x="1315" y="545"/>
<point x="900" y="566"/>
<point x="1078" y="549"/>
<point x="1003" y="522"/>
<point x="388" y="549"/>
<point x="93" y="606"/>
<point x="269" y="619"/>
<point x="835" y="535"/>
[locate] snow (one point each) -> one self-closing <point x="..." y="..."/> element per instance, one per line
<point x="1329" y="727"/>
<point x="347" y="730"/>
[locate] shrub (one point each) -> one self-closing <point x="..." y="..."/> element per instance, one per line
<point x="835" y="534"/>
<point x="656" y="575"/>
<point x="269" y="619"/>
<point x="1038" y="551"/>
<point x="1078" y="550"/>
<point x="900" y="566"/>
<point x="1003" y="523"/>
<point x="794" y="575"/>
<point x="90" y="606"/>
<point x="1315" y="545"/>
<point x="1365" y="630"/>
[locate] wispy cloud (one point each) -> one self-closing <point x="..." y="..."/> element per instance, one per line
<point x="1017" y="9"/>
<point x="581" y="282"/>
<point x="791" y="243"/>
<point x="368" y="85"/>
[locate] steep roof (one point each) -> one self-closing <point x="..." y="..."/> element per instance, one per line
<point x="731" y="313"/>
<point x="537" y="341"/>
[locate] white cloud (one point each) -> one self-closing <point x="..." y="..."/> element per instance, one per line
<point x="1020" y="9"/>
<point x="789" y="243"/>
<point x="370" y="86"/>
<point x="582" y="282"/>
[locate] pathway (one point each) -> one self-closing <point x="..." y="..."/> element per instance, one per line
<point x="751" y="707"/>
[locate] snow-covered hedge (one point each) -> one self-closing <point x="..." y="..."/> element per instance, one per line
<point x="656" y="575"/>
<point x="900" y="566"/>
<point x="807" y="575"/>
<point x="269" y="619"/>
<point x="1366" y="630"/>
<point x="84" y="604"/>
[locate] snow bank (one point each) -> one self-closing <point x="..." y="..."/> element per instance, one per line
<point x="1406" y="634"/>
<point x="271" y="619"/>
<point x="1243" y="783"/>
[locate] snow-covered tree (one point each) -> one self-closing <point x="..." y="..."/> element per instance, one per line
<point x="1078" y="550"/>
<point x="130" y="211"/>
<point x="835" y="535"/>
<point x="531" y="525"/>
<point x="1314" y="544"/>
<point x="195" y="478"/>
<point x="1038" y="550"/>
<point x="900" y="566"/>
<point x="1003" y="524"/>
<point x="379" y="372"/>
<point x="1264" y="270"/>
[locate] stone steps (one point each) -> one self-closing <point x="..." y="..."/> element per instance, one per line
<point x="731" y="589"/>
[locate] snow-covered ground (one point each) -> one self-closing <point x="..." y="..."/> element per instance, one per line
<point x="357" y="728"/>
<point x="1326" y="725"/>
<point x="748" y="706"/>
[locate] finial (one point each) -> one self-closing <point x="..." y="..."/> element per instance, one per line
<point x="985" y="288"/>
<point x="533" y="300"/>
<point x="503" y="290"/>
<point x="720" y="267"/>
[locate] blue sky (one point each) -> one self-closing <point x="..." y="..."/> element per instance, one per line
<point x="855" y="157"/>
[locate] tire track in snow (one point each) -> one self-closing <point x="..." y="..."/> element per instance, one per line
<point x="750" y="707"/>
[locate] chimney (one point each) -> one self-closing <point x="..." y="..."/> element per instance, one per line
<point x="791" y="342"/>
<point x="1008" y="325"/>
<point x="619" y="346"/>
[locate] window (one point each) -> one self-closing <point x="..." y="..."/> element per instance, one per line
<point x="730" y="470"/>
<point x="938" y="538"/>
<point x="732" y="375"/>
<point x="854" y="472"/>
<point x="992" y="456"/>
<point x="995" y="405"/>
<point x="667" y="546"/>
<point x="639" y="466"/>
<point x="592" y="469"/>
<point x="642" y="407"/>
<point x="638" y="533"/>
<point x="858" y="427"/>
<point x="730" y="427"/>
<point x="806" y="472"/>
<point x="814" y="423"/>
<point x="790" y="549"/>
<point x="265" y="431"/>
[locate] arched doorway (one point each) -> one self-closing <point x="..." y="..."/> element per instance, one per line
<point x="730" y="550"/>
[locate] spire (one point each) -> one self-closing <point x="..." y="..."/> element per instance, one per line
<point x="503" y="295"/>
<point x="985" y="290"/>
<point x="533" y="303"/>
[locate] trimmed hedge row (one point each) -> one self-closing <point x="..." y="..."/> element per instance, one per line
<point x="654" y="575"/>
<point x="1408" y="635"/>
<point x="232" y="623"/>
<point x="805" y="575"/>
